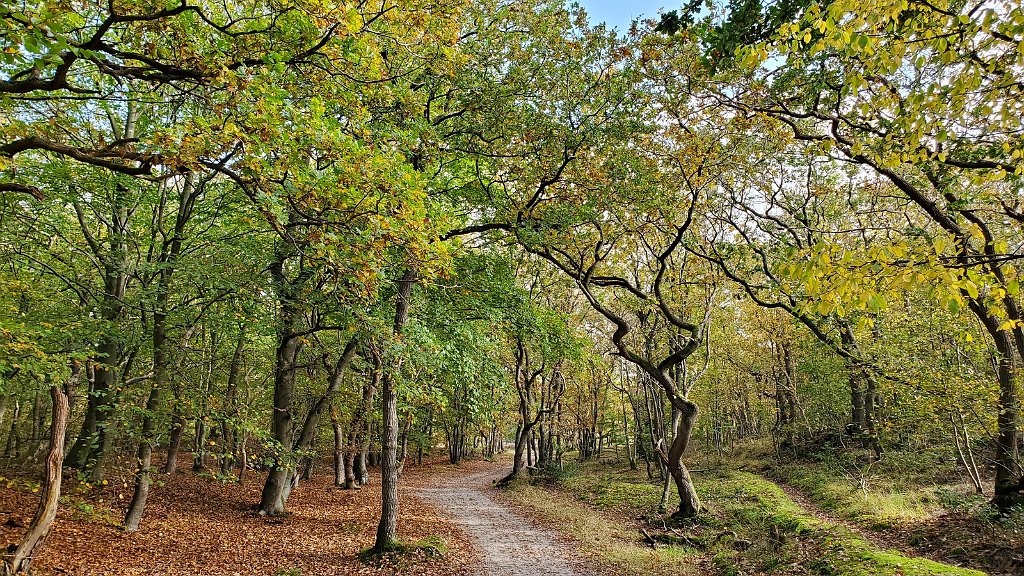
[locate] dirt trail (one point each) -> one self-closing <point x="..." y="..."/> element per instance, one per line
<point x="881" y="540"/>
<point x="507" y="543"/>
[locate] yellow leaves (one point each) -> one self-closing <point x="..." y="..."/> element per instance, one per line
<point x="1010" y="324"/>
<point x="865" y="323"/>
<point x="971" y="288"/>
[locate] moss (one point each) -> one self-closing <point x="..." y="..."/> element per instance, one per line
<point x="890" y="496"/>
<point x="609" y="539"/>
<point x="759" y="502"/>
<point x="750" y="526"/>
<point x="611" y="490"/>
<point x="431" y="547"/>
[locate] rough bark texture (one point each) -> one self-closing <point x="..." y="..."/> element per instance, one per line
<point x="689" y="502"/>
<point x="278" y="484"/>
<point x="387" y="528"/>
<point x="21" y="557"/>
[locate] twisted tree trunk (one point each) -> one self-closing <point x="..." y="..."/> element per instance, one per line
<point x="19" y="560"/>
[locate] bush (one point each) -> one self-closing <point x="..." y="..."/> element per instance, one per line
<point x="555" y="472"/>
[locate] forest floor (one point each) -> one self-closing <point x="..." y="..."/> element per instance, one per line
<point x="759" y="520"/>
<point x="752" y="524"/>
<point x="912" y="502"/>
<point x="197" y="524"/>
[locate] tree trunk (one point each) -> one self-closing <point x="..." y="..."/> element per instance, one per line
<point x="49" y="499"/>
<point x="388" y="526"/>
<point x="90" y="449"/>
<point x="519" y="458"/>
<point x="87" y="452"/>
<point x="144" y="454"/>
<point x="279" y="481"/>
<point x="689" y="503"/>
<point x="228" y="424"/>
<point x="169" y="253"/>
<point x="10" y="451"/>
<point x="309" y="425"/>
<point x="178" y="422"/>
<point x="361" y="464"/>
<point x="1008" y="484"/>
<point x="663" y="504"/>
<point x="340" y="476"/>
<point x="403" y="443"/>
<point x="362" y="427"/>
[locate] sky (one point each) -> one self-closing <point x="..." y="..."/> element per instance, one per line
<point x="619" y="13"/>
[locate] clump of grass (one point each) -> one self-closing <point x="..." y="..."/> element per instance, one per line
<point x="88" y="512"/>
<point x="555" y="472"/>
<point x="610" y="490"/>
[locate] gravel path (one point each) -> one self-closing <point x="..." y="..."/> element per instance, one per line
<point x="508" y="544"/>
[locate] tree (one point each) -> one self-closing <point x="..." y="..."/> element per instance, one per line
<point x="919" y="95"/>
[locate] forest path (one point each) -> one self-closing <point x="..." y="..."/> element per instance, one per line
<point x="507" y="543"/>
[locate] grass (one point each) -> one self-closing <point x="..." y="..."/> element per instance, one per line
<point x="88" y="512"/>
<point x="898" y="490"/>
<point x="609" y="539"/>
<point x="879" y="504"/>
<point x="750" y="526"/>
<point x="782" y="533"/>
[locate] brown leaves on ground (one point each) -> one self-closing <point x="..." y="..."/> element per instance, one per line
<point x="198" y="525"/>
<point x="971" y="540"/>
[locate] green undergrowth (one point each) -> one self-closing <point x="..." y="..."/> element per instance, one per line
<point x="782" y="533"/>
<point x="899" y="489"/>
<point x="749" y="526"/>
<point x="89" y="512"/>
